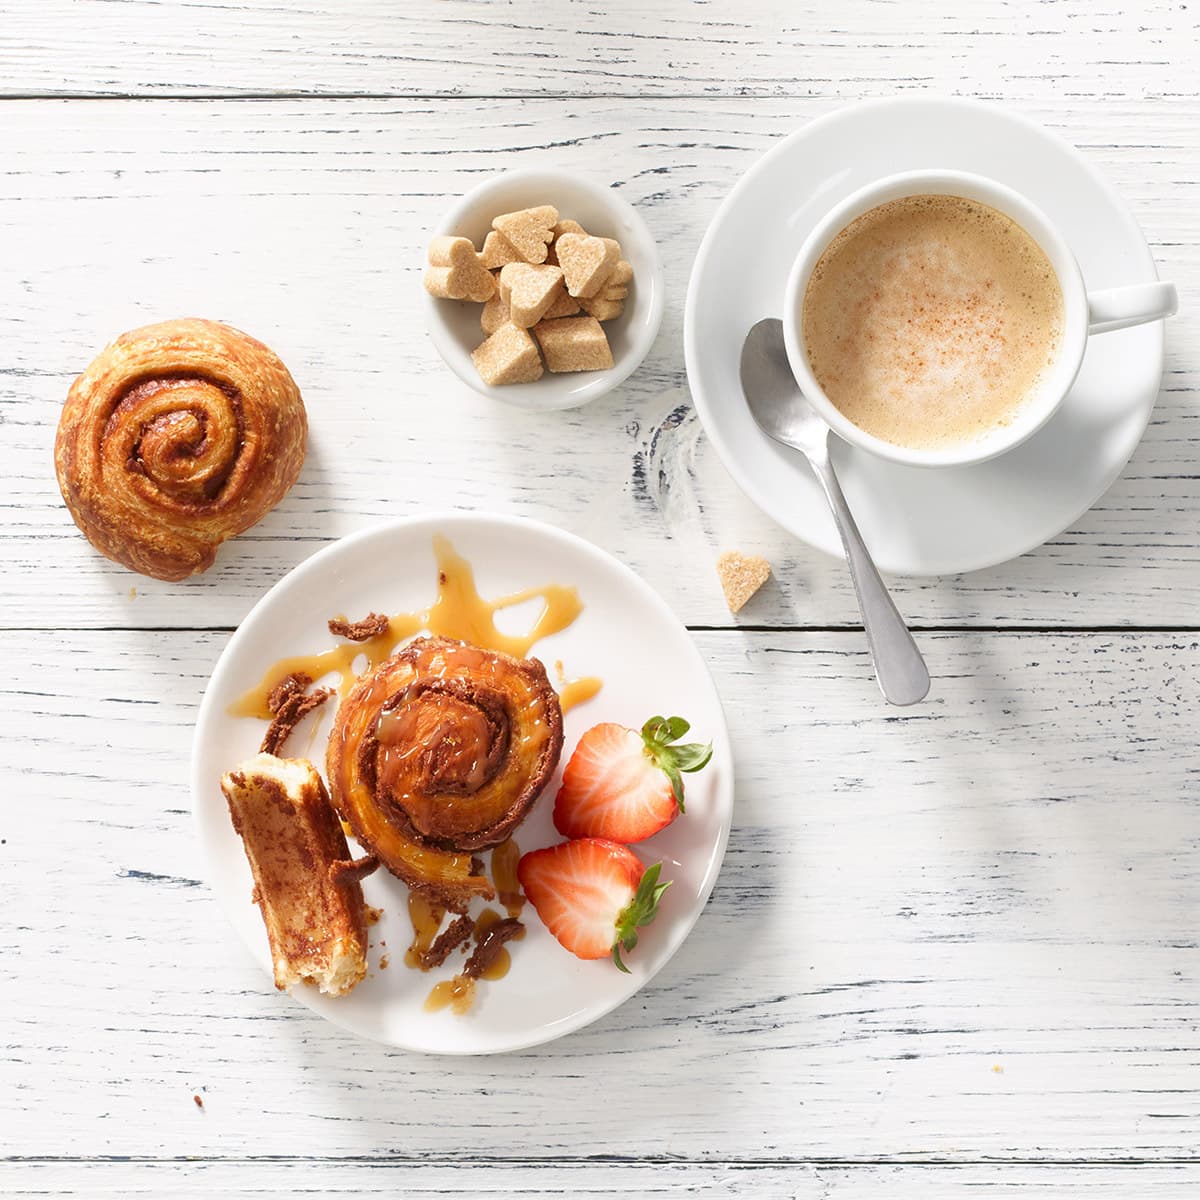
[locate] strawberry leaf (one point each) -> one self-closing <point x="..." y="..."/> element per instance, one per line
<point x="641" y="910"/>
<point x="692" y="756"/>
<point x="676" y="781"/>
<point x="662" y="731"/>
<point x="658" y="733"/>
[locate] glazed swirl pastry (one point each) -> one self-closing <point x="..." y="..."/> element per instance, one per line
<point x="177" y="437"/>
<point x="440" y="751"/>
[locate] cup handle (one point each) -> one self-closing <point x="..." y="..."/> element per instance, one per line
<point x="1118" y="308"/>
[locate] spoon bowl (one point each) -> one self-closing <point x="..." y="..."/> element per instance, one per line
<point x="781" y="412"/>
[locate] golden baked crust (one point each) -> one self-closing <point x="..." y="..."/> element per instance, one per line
<point x="309" y="892"/>
<point x="439" y="751"/>
<point x="177" y="437"/>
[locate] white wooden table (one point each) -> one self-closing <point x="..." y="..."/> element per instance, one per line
<point x="953" y="949"/>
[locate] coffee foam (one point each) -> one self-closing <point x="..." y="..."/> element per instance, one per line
<point x="931" y="320"/>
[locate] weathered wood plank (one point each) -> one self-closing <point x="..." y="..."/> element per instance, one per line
<point x="967" y="932"/>
<point x="1071" y="48"/>
<point x="519" y="1181"/>
<point x="304" y="222"/>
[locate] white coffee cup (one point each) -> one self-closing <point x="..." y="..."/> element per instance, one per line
<point x="1084" y="313"/>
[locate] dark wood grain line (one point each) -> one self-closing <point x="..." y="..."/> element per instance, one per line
<point x="629" y="1160"/>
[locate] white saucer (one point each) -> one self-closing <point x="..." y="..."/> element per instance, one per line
<point x="922" y="521"/>
<point x="626" y="635"/>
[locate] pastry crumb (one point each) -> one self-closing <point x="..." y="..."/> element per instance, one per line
<point x="372" y="625"/>
<point x="198" y="1102"/>
<point x="741" y="576"/>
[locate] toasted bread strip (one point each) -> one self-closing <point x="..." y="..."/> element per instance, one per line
<point x="312" y="906"/>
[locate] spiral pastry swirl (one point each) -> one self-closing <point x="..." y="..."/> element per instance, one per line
<point x="439" y="751"/>
<point x="177" y="437"/>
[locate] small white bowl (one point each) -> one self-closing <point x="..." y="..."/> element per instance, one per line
<point x="454" y="324"/>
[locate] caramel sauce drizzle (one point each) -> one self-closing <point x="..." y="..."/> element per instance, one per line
<point x="457" y="994"/>
<point x="504" y="875"/>
<point x="426" y="915"/>
<point x="458" y="611"/>
<point x="576" y="691"/>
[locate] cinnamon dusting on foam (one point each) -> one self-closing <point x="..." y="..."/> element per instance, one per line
<point x="931" y="320"/>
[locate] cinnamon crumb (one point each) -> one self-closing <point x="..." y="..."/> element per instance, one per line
<point x="489" y="945"/>
<point x="198" y="1101"/>
<point x="373" y="914"/>
<point x="353" y="870"/>
<point x="291" y="704"/>
<point x="372" y="625"/>
<point x="457" y="934"/>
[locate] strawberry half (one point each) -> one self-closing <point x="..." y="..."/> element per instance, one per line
<point x="592" y="894"/>
<point x="626" y="785"/>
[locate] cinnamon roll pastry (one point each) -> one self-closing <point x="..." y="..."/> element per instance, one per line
<point x="439" y="751"/>
<point x="176" y="438"/>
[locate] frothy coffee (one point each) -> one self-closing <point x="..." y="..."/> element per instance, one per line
<point x="930" y="320"/>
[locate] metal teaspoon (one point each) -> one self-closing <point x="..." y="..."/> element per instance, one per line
<point x="782" y="413"/>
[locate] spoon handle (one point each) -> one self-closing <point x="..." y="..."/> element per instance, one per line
<point x="899" y="667"/>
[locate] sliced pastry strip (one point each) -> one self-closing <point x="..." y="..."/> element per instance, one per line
<point x="309" y="892"/>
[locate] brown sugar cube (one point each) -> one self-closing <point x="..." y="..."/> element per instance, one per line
<point x="609" y="301"/>
<point x="616" y="286"/>
<point x="741" y="576"/>
<point x="566" y="225"/>
<point x="586" y="262"/>
<point x="494" y="314"/>
<point x="574" y="344"/>
<point x="498" y="251"/>
<point x="602" y="310"/>
<point x="528" y="231"/>
<point x="529" y="291"/>
<point x="565" y="306"/>
<point x="510" y="355"/>
<point x="455" y="271"/>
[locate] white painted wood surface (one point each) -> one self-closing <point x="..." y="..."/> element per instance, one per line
<point x="243" y="1180"/>
<point x="965" y="933"/>
<point x="305" y="222"/>
<point x="951" y="950"/>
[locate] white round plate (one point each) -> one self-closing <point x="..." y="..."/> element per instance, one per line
<point x="920" y="521"/>
<point x="625" y="634"/>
